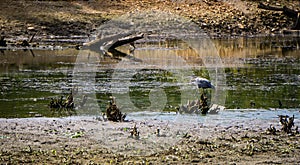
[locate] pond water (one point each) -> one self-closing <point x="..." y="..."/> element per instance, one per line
<point x="256" y="73"/>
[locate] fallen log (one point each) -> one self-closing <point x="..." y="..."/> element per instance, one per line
<point x="98" y="44"/>
<point x="286" y="11"/>
<point x="125" y="40"/>
<point x="113" y="42"/>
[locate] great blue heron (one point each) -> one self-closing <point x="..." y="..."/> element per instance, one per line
<point x="202" y="83"/>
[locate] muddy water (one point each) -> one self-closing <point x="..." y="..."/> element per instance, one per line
<point x="260" y="73"/>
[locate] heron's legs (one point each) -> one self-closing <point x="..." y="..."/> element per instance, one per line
<point x="205" y="93"/>
<point x="202" y="91"/>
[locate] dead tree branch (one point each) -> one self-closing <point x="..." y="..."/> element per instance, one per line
<point x="286" y="11"/>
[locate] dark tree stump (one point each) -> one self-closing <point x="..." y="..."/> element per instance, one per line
<point x="297" y="24"/>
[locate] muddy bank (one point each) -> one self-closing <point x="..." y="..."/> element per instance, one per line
<point x="57" y="22"/>
<point x="88" y="140"/>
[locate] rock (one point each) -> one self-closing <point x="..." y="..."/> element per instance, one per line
<point x="241" y="26"/>
<point x="30" y="28"/>
<point x="214" y="109"/>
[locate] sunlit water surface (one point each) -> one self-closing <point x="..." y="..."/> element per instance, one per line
<point x="262" y="79"/>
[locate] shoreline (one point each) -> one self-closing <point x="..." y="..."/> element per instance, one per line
<point x="87" y="140"/>
<point x="61" y="43"/>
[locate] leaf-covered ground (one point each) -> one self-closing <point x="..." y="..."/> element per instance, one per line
<point x="21" y="19"/>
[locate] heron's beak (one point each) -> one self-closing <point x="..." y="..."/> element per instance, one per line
<point x="193" y="82"/>
<point x="192" y="79"/>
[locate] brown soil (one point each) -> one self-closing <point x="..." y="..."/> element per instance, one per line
<point x="85" y="140"/>
<point x="21" y="19"/>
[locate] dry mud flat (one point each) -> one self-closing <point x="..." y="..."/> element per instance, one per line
<point x="86" y="140"/>
<point x="47" y="20"/>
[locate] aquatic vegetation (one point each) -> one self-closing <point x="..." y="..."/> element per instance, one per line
<point x="271" y="130"/>
<point x="287" y="124"/>
<point x="196" y="106"/>
<point x="66" y="104"/>
<point x="134" y="133"/>
<point x="113" y="113"/>
<point x="203" y="104"/>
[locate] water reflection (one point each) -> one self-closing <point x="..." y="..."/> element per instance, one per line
<point x="260" y="73"/>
